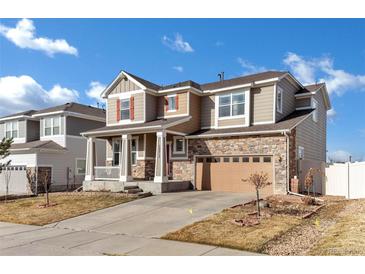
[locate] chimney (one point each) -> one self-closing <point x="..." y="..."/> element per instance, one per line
<point x="221" y="76"/>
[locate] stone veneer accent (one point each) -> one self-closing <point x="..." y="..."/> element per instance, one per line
<point x="265" y="145"/>
<point x="143" y="170"/>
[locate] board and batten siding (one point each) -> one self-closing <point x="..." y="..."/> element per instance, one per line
<point x="182" y="105"/>
<point x="207" y="111"/>
<point x="138" y="109"/>
<point x="124" y="85"/>
<point x="289" y="91"/>
<point x="262" y="103"/>
<point x="311" y="135"/>
<point x="151" y="107"/>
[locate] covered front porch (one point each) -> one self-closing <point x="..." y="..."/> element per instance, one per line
<point x="141" y="159"/>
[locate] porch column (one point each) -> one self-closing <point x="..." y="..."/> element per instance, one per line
<point x="90" y="159"/>
<point x="160" y="162"/>
<point x="125" y="161"/>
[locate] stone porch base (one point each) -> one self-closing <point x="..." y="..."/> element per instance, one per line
<point x="146" y="186"/>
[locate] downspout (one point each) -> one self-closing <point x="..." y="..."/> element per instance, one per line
<point x="287" y="160"/>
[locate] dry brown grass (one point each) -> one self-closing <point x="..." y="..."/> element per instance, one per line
<point x="25" y="211"/>
<point x="218" y="230"/>
<point x="347" y="235"/>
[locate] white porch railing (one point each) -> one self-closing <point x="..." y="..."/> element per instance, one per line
<point x="107" y="173"/>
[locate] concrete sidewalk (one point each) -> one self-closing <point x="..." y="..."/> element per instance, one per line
<point x="27" y="240"/>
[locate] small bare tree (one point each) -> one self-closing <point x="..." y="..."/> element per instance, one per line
<point x="259" y="181"/>
<point x="31" y="177"/>
<point x="308" y="180"/>
<point x="45" y="180"/>
<point x="5" y="145"/>
<point x="7" y="175"/>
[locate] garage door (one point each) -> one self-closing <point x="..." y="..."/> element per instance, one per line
<point x="226" y="173"/>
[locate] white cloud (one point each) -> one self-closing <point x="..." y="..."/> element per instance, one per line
<point x="331" y="114"/>
<point x="23" y="35"/>
<point x="177" y="44"/>
<point x="249" y="68"/>
<point x="95" y="90"/>
<point x="178" y="68"/>
<point x="20" y="93"/>
<point x="339" y="156"/>
<point x="311" y="70"/>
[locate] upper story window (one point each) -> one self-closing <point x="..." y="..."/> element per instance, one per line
<point x="315" y="112"/>
<point x="11" y="129"/>
<point x="179" y="145"/>
<point x="125" y="109"/>
<point x="279" y="100"/>
<point x="171" y="103"/>
<point x="232" y="104"/>
<point x="52" y="126"/>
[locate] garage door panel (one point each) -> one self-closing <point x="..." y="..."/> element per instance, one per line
<point x="228" y="176"/>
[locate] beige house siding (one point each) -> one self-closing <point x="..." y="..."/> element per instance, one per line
<point x="231" y="122"/>
<point x="124" y="85"/>
<point x="302" y="102"/>
<point x="151" y="107"/>
<point x="262" y="102"/>
<point x="311" y="135"/>
<point x="138" y="109"/>
<point x="207" y="111"/>
<point x="289" y="91"/>
<point x="150" y="145"/>
<point x="182" y="109"/>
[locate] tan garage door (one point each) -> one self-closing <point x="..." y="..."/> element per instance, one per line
<point x="226" y="173"/>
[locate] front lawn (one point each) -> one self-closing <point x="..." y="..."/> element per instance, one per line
<point x="68" y="205"/>
<point x="338" y="228"/>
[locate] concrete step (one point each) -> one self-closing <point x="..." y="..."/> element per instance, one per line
<point x="144" y="194"/>
<point x="133" y="190"/>
<point x="130" y="187"/>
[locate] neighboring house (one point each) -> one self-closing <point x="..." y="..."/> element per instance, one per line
<point x="50" y="139"/>
<point x="210" y="136"/>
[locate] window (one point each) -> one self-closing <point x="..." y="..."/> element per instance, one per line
<point x="134" y="150"/>
<point x="80" y="166"/>
<point x="267" y="159"/>
<point x="52" y="126"/>
<point x="279" y="100"/>
<point x="256" y="159"/>
<point x="226" y="160"/>
<point x="315" y="112"/>
<point x="231" y="105"/>
<point x="171" y="103"/>
<point x="11" y="130"/>
<point x="179" y="145"/>
<point x="116" y="152"/>
<point x="245" y="159"/>
<point x="300" y="152"/>
<point x="236" y="159"/>
<point x="124" y="109"/>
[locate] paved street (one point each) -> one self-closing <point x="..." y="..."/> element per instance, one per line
<point x="129" y="229"/>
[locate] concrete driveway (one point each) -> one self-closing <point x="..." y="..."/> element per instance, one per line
<point x="133" y="228"/>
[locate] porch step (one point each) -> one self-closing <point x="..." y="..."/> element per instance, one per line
<point x="133" y="190"/>
<point x="130" y="187"/>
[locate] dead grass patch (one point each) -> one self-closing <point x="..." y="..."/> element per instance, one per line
<point x="68" y="205"/>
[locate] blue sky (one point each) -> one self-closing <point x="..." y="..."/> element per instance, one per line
<point x="49" y="61"/>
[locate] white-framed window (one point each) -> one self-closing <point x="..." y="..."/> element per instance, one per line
<point x="80" y="166"/>
<point x="52" y="126"/>
<point x="11" y="129"/>
<point x="116" y="152"/>
<point x="315" y="112"/>
<point x="125" y="109"/>
<point x="134" y="150"/>
<point x="171" y="102"/>
<point x="232" y="104"/>
<point x="300" y="152"/>
<point x="279" y="100"/>
<point x="179" y="145"/>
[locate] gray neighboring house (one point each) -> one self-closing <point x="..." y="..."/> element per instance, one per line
<point x="49" y="139"/>
<point x="210" y="136"/>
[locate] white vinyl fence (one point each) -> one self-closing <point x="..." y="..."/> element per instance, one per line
<point x="15" y="178"/>
<point x="346" y="179"/>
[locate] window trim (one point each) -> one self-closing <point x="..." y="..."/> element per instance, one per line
<point x="11" y="131"/>
<point x="174" y="145"/>
<point x="136" y="138"/>
<point x="129" y="109"/>
<point x="77" y="169"/>
<point x="115" y="140"/>
<point x="52" y="126"/>
<point x="314" y="105"/>
<point x="279" y="108"/>
<point x="168" y="104"/>
<point x="244" y="103"/>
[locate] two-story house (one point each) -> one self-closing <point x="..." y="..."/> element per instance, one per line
<point x="210" y="136"/>
<point x="49" y="139"/>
